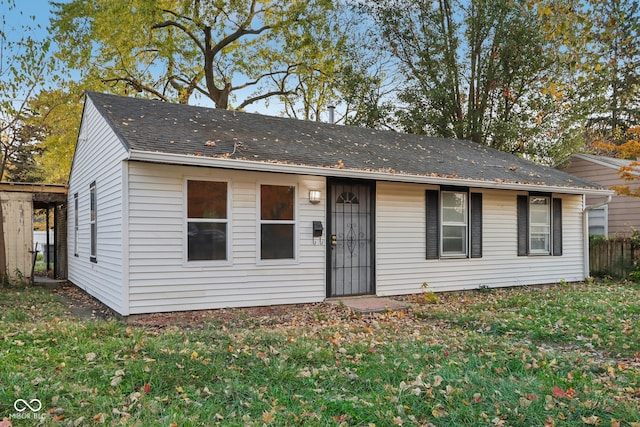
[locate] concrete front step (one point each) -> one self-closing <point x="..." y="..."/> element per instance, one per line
<point x="369" y="304"/>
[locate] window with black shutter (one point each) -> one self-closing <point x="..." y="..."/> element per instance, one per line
<point x="453" y="223"/>
<point x="539" y="219"/>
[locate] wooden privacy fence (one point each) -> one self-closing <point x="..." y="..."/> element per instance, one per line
<point x="615" y="257"/>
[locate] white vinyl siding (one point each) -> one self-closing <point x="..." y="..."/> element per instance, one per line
<point x="98" y="158"/>
<point x="159" y="279"/>
<point x="401" y="267"/>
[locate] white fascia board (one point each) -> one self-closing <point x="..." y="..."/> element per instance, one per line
<point x="215" y="162"/>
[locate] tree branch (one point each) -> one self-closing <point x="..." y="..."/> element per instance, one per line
<point x="136" y="85"/>
<point x="235" y="36"/>
<point x="184" y="29"/>
<point x="271" y="74"/>
<point x="251" y="100"/>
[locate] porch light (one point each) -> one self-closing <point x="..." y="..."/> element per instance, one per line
<point x="314" y="196"/>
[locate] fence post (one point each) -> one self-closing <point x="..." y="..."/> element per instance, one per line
<point x="613" y="256"/>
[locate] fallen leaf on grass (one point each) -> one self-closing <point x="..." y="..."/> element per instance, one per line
<point x="439" y="411"/>
<point x="268" y="417"/>
<point x="558" y="393"/>
<point x="592" y="420"/>
<point x="437" y="380"/>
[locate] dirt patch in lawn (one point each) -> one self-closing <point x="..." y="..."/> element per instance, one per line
<point x="83" y="306"/>
<point x="80" y="304"/>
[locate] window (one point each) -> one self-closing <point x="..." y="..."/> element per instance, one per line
<point x="454" y="224"/>
<point x="598" y="221"/>
<point x="539" y="225"/>
<point x="277" y="222"/>
<point x="75" y="224"/>
<point x="206" y="220"/>
<point x="93" y="221"/>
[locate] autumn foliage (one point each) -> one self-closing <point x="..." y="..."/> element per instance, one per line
<point x="630" y="172"/>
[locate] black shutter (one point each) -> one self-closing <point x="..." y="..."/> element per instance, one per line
<point x="433" y="224"/>
<point x="557" y="226"/>
<point x="523" y="225"/>
<point x="476" y="225"/>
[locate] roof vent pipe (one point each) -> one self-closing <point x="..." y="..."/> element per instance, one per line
<point x="331" y="109"/>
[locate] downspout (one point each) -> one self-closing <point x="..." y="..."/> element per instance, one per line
<point x="585" y="233"/>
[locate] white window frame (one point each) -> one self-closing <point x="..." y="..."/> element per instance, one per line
<point x="260" y="221"/>
<point x="187" y="220"/>
<point x="76" y="225"/>
<point x="547" y="225"/>
<point x="444" y="222"/>
<point x="93" y="222"/>
<point x="605" y="217"/>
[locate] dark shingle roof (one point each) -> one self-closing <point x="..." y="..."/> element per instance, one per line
<point x="157" y="126"/>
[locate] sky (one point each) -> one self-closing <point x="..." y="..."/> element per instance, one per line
<point x="22" y="13"/>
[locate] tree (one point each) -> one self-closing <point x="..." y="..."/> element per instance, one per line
<point x="479" y="69"/>
<point x="24" y="63"/>
<point x="319" y="49"/>
<point x="57" y="113"/>
<point x="629" y="150"/>
<point x="367" y="95"/>
<point x="22" y="165"/>
<point x="176" y="50"/>
<point x="612" y="89"/>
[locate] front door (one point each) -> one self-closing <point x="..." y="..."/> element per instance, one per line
<point x="350" y="238"/>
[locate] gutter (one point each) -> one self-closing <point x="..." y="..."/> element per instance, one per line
<point x="585" y="232"/>
<point x="223" y="163"/>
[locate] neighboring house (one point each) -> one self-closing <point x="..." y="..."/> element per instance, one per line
<point x="622" y="215"/>
<point x="175" y="207"/>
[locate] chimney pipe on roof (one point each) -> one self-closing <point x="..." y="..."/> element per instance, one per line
<point x="331" y="109"/>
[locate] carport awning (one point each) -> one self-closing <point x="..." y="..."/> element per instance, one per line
<point x="44" y="195"/>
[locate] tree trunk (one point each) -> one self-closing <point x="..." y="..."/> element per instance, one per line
<point x="3" y="255"/>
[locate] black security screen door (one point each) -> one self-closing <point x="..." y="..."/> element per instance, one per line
<point x="350" y="239"/>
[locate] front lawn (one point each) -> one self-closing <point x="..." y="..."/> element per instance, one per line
<point x="563" y="355"/>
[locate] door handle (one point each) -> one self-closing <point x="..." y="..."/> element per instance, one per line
<point x="334" y="240"/>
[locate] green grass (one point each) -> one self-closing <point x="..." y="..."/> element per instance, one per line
<point x="562" y="356"/>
